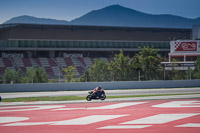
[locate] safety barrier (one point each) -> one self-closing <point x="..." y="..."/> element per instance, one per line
<point x="90" y="85"/>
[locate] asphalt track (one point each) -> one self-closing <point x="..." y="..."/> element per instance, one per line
<point x="108" y="92"/>
<point x="144" y="116"/>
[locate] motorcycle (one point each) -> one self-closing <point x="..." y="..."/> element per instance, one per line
<point x="92" y="95"/>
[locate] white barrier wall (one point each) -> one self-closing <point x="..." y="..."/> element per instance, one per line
<point x="105" y="85"/>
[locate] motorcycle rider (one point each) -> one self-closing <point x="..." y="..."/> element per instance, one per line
<point x="98" y="91"/>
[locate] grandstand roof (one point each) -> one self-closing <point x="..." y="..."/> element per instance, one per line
<point x="78" y="32"/>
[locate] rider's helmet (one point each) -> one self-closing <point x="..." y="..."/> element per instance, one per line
<point x="99" y="88"/>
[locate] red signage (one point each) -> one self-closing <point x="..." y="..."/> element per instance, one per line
<point x="185" y="46"/>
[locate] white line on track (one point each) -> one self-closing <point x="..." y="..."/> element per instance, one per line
<point x="111" y="106"/>
<point x="189" y="125"/>
<point x="124" y="127"/>
<point x="12" y="119"/>
<point x="28" y="108"/>
<point x="27" y="123"/>
<point x="118" y="105"/>
<point x="88" y="120"/>
<point x="178" y="104"/>
<point x="160" y="118"/>
<point x="77" y="121"/>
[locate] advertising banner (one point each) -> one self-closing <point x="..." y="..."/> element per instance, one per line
<point x="185" y="46"/>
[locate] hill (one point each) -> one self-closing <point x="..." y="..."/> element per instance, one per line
<point x="116" y="15"/>
<point x="34" y="20"/>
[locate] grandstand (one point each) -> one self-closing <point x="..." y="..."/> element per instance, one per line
<point x="54" y="47"/>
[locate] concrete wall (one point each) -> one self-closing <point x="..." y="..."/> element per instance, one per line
<point x="105" y="85"/>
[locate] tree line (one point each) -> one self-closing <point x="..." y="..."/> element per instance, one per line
<point x="32" y="75"/>
<point x="143" y="66"/>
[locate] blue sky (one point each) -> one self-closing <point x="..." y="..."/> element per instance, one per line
<point x="71" y="9"/>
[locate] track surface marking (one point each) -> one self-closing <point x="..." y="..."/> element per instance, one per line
<point x="153" y="116"/>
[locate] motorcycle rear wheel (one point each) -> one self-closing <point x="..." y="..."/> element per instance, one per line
<point x="89" y="98"/>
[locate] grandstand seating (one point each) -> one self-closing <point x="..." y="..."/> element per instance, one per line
<point x="103" y="58"/>
<point x="7" y="62"/>
<point x="77" y="66"/>
<point x="27" y="62"/>
<point x="11" y="68"/>
<point x="51" y="61"/>
<point x="52" y="66"/>
<point x="88" y="61"/>
<point x="1" y="63"/>
<point x="36" y="62"/>
<point x="18" y="62"/>
<point x="57" y="71"/>
<point x="44" y="62"/>
<point x="81" y="60"/>
<point x="61" y="62"/>
<point x="49" y="71"/>
<point x="68" y="61"/>
<point x="80" y="70"/>
<point x="75" y="62"/>
<point x="23" y="69"/>
<point x="2" y="70"/>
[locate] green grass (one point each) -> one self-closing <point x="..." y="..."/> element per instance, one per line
<point x="60" y="98"/>
<point x="68" y="98"/>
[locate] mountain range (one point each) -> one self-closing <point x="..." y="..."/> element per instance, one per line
<point x="116" y="15"/>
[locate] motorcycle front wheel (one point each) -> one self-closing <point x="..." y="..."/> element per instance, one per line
<point x="103" y="97"/>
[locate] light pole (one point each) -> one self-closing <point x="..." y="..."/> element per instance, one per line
<point x="164" y="73"/>
<point x="32" y="76"/>
<point x="190" y="75"/>
<point x="4" y="79"/>
<point x="139" y="75"/>
<point x="59" y="77"/>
